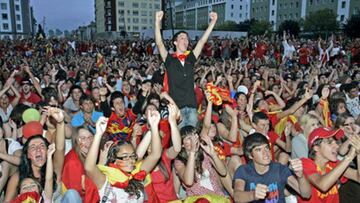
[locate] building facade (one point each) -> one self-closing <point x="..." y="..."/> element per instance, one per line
<point x="16" y="19"/>
<point x="277" y="11"/>
<point x="194" y="14"/>
<point x="130" y="16"/>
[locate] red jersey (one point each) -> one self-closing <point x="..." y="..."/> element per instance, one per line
<point x="332" y="195"/>
<point x="120" y="128"/>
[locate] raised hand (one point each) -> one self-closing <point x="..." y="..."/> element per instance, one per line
<point x="159" y="16"/>
<point x="213" y="16"/>
<point x="173" y="112"/>
<point x="355" y="143"/>
<point x="208" y="147"/>
<point x="230" y="111"/>
<point x="308" y="94"/>
<point x="51" y="150"/>
<point x="260" y="191"/>
<point x="101" y="125"/>
<point x="297" y="167"/>
<point x="56" y="113"/>
<point x="194" y="144"/>
<point x="153" y="118"/>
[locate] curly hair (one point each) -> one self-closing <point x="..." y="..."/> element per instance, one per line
<point x="25" y="169"/>
<point x="135" y="186"/>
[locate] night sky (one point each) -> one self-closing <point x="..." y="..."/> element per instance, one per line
<point x="64" y="14"/>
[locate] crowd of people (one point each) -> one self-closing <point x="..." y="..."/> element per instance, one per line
<point x="271" y="118"/>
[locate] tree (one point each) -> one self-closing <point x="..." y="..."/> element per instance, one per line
<point x="352" y="28"/>
<point x="51" y="33"/>
<point x="321" y="21"/>
<point x="58" y="32"/>
<point x="67" y="33"/>
<point x="260" y="27"/>
<point x="289" y="26"/>
<point x="227" y="26"/>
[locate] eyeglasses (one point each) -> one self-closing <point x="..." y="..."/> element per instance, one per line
<point x="125" y="158"/>
<point x="34" y="148"/>
<point x="349" y="124"/>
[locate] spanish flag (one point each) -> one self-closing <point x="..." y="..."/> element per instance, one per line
<point x="326" y="112"/>
<point x="208" y="198"/>
<point x="100" y="60"/>
<point x="218" y="95"/>
<point x="118" y="178"/>
<point x="281" y="125"/>
<point x="28" y="197"/>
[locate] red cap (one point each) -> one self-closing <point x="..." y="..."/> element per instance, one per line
<point x="32" y="128"/>
<point x="322" y="132"/>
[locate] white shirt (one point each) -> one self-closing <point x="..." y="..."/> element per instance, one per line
<point x="118" y="195"/>
<point x="6" y="115"/>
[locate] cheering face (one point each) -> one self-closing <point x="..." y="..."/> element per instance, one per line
<point x="212" y="131"/>
<point x="95" y="93"/>
<point x="188" y="140"/>
<point x="262" y="126"/>
<point x="242" y="101"/>
<point x="311" y="125"/>
<point x="26" y="88"/>
<point x="126" y="158"/>
<point x="87" y="106"/>
<point x="37" y="152"/>
<point x="119" y="106"/>
<point x="4" y="101"/>
<point x="85" y="139"/>
<point x="76" y="94"/>
<point x="28" y="185"/>
<point x="182" y="42"/>
<point x="261" y="155"/>
<point x="328" y="149"/>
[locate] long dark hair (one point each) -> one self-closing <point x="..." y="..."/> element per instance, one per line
<point x="135" y="186"/>
<point x="25" y="169"/>
<point x="183" y="156"/>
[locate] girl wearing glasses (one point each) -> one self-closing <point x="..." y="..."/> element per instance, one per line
<point x="123" y="177"/>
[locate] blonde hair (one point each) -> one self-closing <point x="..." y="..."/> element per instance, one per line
<point x="306" y="118"/>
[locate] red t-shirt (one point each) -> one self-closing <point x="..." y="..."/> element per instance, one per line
<point x="33" y="99"/>
<point x="164" y="190"/>
<point x="71" y="178"/>
<point x="332" y="195"/>
<point x="304" y="56"/>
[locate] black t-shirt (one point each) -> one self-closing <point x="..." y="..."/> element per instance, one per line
<point x="181" y="80"/>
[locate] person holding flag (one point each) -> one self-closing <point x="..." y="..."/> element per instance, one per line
<point x="179" y="75"/>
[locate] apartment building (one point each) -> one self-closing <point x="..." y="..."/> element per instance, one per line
<point x="194" y="14"/>
<point x="16" y="19"/>
<point x="277" y="11"/>
<point x="130" y="16"/>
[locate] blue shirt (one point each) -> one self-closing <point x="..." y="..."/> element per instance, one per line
<point x="275" y="178"/>
<point x="79" y="120"/>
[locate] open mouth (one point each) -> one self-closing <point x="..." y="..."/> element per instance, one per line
<point x="38" y="158"/>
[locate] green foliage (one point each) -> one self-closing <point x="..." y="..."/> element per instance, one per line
<point x="321" y="21"/>
<point x="227" y="26"/>
<point x="352" y="28"/>
<point x="259" y="27"/>
<point x="289" y="26"/>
